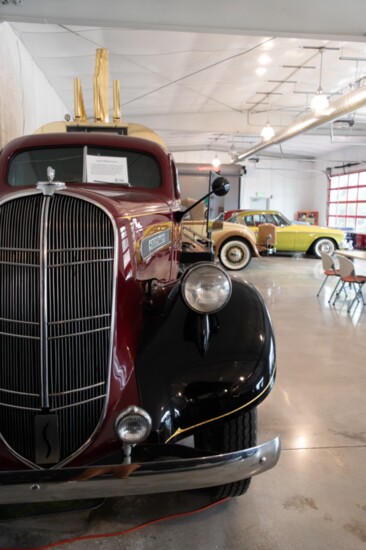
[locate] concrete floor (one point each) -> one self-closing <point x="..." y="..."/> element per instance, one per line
<point x="315" y="498"/>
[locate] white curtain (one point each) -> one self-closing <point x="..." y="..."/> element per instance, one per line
<point x="27" y="100"/>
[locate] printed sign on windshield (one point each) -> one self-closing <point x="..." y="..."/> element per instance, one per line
<point x="101" y="169"/>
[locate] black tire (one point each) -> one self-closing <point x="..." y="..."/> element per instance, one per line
<point x="323" y="245"/>
<point x="235" y="434"/>
<point x="235" y="254"/>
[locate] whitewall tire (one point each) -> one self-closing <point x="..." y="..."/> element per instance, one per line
<point x="235" y="254"/>
<point x="323" y="245"/>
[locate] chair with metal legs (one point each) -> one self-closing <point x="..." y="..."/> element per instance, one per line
<point x="348" y="275"/>
<point x="330" y="270"/>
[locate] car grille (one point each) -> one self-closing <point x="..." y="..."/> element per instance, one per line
<point x="56" y="296"/>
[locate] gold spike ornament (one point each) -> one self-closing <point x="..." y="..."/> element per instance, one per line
<point x="101" y="109"/>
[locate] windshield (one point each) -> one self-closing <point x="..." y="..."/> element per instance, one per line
<point x="254" y="220"/>
<point x="85" y="164"/>
<point x="280" y="220"/>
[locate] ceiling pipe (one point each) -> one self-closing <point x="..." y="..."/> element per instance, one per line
<point x="346" y="104"/>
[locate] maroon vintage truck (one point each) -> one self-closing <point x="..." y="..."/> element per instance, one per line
<point x="126" y="365"/>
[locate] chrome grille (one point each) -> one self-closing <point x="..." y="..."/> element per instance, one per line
<point x="56" y="273"/>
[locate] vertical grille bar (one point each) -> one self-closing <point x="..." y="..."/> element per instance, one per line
<point x="45" y="402"/>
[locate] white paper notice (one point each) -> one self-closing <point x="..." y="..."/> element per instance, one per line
<point x="101" y="169"/>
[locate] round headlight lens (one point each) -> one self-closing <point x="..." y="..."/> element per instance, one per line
<point x="206" y="288"/>
<point x="133" y="425"/>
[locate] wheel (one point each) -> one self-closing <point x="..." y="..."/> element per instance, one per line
<point x="235" y="254"/>
<point x="323" y="245"/>
<point x="235" y="434"/>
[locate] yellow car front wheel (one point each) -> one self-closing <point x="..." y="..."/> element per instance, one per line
<point x="323" y="245"/>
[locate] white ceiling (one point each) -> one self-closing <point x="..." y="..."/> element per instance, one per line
<point x="199" y="87"/>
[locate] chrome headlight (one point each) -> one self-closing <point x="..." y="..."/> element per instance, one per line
<point x="133" y="425"/>
<point x="206" y="288"/>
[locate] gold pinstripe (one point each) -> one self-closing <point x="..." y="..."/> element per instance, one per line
<point x="180" y="431"/>
<point x="138" y="215"/>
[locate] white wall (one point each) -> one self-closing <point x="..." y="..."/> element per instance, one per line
<point x="27" y="101"/>
<point x="290" y="185"/>
<point x="320" y="194"/>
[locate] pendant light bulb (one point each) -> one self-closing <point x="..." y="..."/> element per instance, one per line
<point x="319" y="104"/>
<point x="216" y="162"/>
<point x="268" y="132"/>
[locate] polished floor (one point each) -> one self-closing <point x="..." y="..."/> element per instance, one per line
<point x="315" y="498"/>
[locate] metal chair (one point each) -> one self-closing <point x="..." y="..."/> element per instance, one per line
<point x="330" y="270"/>
<point x="348" y="275"/>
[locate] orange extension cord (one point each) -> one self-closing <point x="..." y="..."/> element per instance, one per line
<point x="125" y="532"/>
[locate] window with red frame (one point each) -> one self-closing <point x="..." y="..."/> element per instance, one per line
<point x="347" y="201"/>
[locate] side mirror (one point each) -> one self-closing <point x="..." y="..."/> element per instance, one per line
<point x="220" y="186"/>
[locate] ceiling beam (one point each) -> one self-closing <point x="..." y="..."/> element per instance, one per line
<point x="328" y="19"/>
<point x="343" y="106"/>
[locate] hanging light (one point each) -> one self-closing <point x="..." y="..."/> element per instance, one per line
<point x="267" y="132"/>
<point x="216" y="162"/>
<point x="233" y="152"/>
<point x="320" y="102"/>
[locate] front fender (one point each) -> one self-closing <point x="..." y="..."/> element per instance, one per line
<point x="235" y="231"/>
<point x="184" y="390"/>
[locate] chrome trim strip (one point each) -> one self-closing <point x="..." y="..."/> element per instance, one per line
<point x="19" y="393"/>
<point x="45" y="400"/>
<point x="19" y="336"/>
<point x="76" y="249"/>
<point x="18" y="322"/>
<point x="67" y="264"/>
<point x="17" y="407"/>
<point x="135" y="479"/>
<point x="48" y="188"/>
<point x="19" y="265"/>
<point x="18" y="195"/>
<point x="74" y="391"/>
<point x="18" y="456"/>
<point x="78" y="333"/>
<point x="85" y="154"/>
<point x="77" y="404"/>
<point x="52" y="323"/>
<point x="19" y="249"/>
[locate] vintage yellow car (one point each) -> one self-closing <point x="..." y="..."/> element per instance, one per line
<point x="292" y="237"/>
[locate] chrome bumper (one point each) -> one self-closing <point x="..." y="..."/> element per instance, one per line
<point x="135" y="479"/>
<point x="345" y="245"/>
